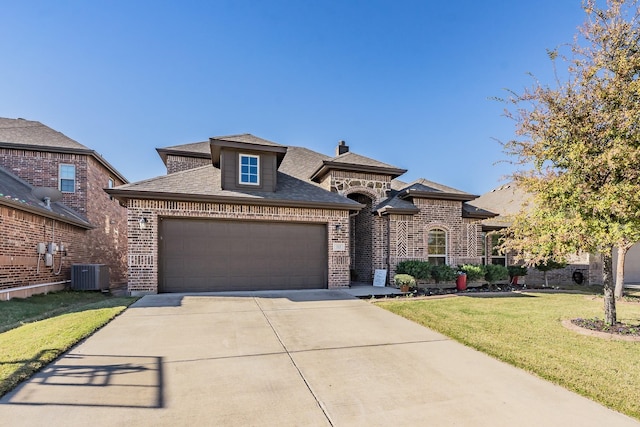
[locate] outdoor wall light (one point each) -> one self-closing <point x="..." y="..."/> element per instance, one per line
<point x="143" y="223"/>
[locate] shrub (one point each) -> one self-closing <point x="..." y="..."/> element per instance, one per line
<point x="404" y="279"/>
<point x="474" y="272"/>
<point x="494" y="272"/>
<point x="420" y="270"/>
<point x="517" y="270"/>
<point x="443" y="273"/>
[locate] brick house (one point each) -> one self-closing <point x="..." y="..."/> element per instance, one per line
<point x="87" y="220"/>
<point x="242" y="213"/>
<point x="508" y="200"/>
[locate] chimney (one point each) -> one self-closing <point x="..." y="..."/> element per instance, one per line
<point x="342" y="148"/>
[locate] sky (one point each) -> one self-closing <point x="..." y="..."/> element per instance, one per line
<point x="406" y="82"/>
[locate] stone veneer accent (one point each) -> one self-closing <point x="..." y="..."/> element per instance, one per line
<point x="345" y="182"/>
<point x="143" y="243"/>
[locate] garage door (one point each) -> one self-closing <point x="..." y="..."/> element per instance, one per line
<point x="219" y="255"/>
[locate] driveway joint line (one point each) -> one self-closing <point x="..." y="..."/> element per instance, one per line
<point x="306" y="383"/>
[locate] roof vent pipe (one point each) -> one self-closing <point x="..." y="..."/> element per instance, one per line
<point x="342" y="148"/>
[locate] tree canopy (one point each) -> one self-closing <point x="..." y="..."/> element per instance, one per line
<point x="578" y="145"/>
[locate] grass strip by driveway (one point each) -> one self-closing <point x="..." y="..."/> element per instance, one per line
<point x="26" y="349"/>
<point x="526" y="332"/>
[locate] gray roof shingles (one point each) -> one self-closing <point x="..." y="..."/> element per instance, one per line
<point x="27" y="132"/>
<point x="296" y="169"/>
<point x="205" y="182"/>
<point x="36" y="136"/>
<point x="426" y="186"/>
<point x="506" y="201"/>
<point x="247" y="138"/>
<point x="16" y="192"/>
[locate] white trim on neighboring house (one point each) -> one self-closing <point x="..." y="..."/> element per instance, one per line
<point x="249" y="173"/>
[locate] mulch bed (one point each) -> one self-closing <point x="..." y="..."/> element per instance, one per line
<point x="598" y="328"/>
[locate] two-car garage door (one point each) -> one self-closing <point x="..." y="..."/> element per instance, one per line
<point x="224" y="255"/>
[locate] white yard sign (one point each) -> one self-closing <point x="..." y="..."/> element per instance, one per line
<point x="380" y="278"/>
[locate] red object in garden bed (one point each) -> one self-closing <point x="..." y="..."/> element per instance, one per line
<point x="461" y="282"/>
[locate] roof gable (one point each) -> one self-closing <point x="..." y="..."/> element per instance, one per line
<point x="506" y="201"/>
<point x="356" y="163"/>
<point x="32" y="135"/>
<point x="423" y="188"/>
<point x="245" y="142"/>
<point x="35" y="134"/>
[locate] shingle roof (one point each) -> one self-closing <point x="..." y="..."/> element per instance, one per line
<point x="204" y="183"/>
<point x="429" y="189"/>
<point x="350" y="158"/>
<point x="191" y="148"/>
<point x="393" y="204"/>
<point x="354" y="162"/>
<point x="17" y="193"/>
<point x="506" y="200"/>
<point x="300" y="162"/>
<point x="247" y="138"/>
<point x="35" y="136"/>
<point x="27" y="132"/>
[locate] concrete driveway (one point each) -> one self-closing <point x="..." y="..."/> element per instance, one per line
<point x="304" y="358"/>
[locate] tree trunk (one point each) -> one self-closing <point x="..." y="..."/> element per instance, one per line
<point x="607" y="284"/>
<point x="546" y="280"/>
<point x="622" y="253"/>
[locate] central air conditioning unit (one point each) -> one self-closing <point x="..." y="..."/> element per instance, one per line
<point x="89" y="277"/>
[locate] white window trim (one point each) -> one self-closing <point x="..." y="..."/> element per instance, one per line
<point x="240" y="181"/>
<point x="446" y="245"/>
<point x="75" y="181"/>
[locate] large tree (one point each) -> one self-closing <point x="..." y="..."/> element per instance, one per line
<point x="578" y="147"/>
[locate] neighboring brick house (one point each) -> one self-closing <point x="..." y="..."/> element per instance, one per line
<point x="239" y="212"/>
<point x="507" y="200"/>
<point x="38" y="156"/>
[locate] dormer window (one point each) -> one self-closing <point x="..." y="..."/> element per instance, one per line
<point x="249" y="169"/>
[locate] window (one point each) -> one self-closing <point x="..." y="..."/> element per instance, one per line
<point x="67" y="178"/>
<point x="437" y="247"/>
<point x="496" y="256"/>
<point x="110" y="183"/>
<point x="249" y="169"/>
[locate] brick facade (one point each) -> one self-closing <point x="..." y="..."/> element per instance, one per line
<point x="21" y="232"/>
<point x="181" y="163"/>
<point x="143" y="243"/>
<point x="372" y="241"/>
<point x="408" y="233"/>
<point x="107" y="242"/>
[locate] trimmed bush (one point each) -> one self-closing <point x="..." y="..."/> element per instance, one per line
<point x="404" y="279"/>
<point x="420" y="270"/>
<point x="517" y="270"/>
<point x="474" y="272"/>
<point x="494" y="272"/>
<point x="443" y="273"/>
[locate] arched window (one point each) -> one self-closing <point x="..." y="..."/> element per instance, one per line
<point x="437" y="246"/>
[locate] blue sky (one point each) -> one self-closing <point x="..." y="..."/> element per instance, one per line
<point x="405" y="82"/>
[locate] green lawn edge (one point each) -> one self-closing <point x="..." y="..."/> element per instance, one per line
<point x="26" y="349"/>
<point x="525" y="331"/>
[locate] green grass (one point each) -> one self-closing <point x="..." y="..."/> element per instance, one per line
<point x="38" y="329"/>
<point x="526" y="332"/>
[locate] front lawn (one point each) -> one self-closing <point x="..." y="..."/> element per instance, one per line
<point x="525" y="330"/>
<point x="36" y="330"/>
